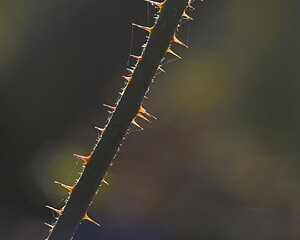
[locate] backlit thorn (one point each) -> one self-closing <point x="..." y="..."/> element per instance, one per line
<point x="148" y="29"/>
<point x="161" y="69"/>
<point x="110" y="107"/>
<point x="69" y="188"/>
<point x="186" y="16"/>
<point x="128" y="79"/>
<point x="190" y="6"/>
<point x="85" y="159"/>
<point x="131" y="70"/>
<point x="144" y="111"/>
<point x="156" y="4"/>
<point x="136" y="124"/>
<point x="173" y="53"/>
<point x="139" y="58"/>
<point x="105" y="182"/>
<point x="176" y="40"/>
<point x="59" y="212"/>
<point x="100" y="129"/>
<point x="86" y="217"/>
<point x="49" y="225"/>
<point x="143" y="117"/>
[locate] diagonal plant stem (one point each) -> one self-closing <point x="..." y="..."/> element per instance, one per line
<point x="126" y="110"/>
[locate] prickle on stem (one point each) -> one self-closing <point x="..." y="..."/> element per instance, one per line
<point x="139" y="58"/>
<point x="69" y="188"/>
<point x="86" y="217"/>
<point x="85" y="159"/>
<point x="57" y="211"/>
<point x="176" y="40"/>
<point x="173" y="53"/>
<point x="157" y="4"/>
<point x="148" y="29"/>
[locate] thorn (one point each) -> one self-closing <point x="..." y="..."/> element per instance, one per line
<point x="110" y="107"/>
<point x="156" y="4"/>
<point x="190" y="6"/>
<point x="143" y="117"/>
<point x="59" y="212"/>
<point x="173" y="53"/>
<point x="131" y="70"/>
<point x="186" y="16"/>
<point x="148" y="29"/>
<point x="128" y="79"/>
<point x="161" y="69"/>
<point x="69" y="188"/>
<point x="49" y="225"/>
<point x="100" y="129"/>
<point x="86" y="217"/>
<point x="176" y="40"/>
<point x="136" y="124"/>
<point x="144" y="111"/>
<point x="105" y="182"/>
<point x="139" y="58"/>
<point x="85" y="159"/>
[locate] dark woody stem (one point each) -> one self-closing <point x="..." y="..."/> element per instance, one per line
<point x="126" y="110"/>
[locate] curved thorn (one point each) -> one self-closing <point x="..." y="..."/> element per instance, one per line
<point x="143" y="117"/>
<point x="161" y="69"/>
<point x="186" y="16"/>
<point x="148" y="29"/>
<point x="130" y="70"/>
<point x="85" y="159"/>
<point x="69" y="188"/>
<point x="176" y="40"/>
<point x="86" y="217"/>
<point x="128" y="79"/>
<point x="139" y="58"/>
<point x="157" y="4"/>
<point x="144" y="111"/>
<point x="136" y="124"/>
<point x="190" y="6"/>
<point x="173" y="53"/>
<point x="59" y="212"/>
<point x="100" y="129"/>
<point x="110" y="107"/>
<point x="105" y="182"/>
<point x="49" y="225"/>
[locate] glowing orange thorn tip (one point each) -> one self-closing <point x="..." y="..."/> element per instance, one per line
<point x="176" y="40"/>
<point x="186" y="16"/>
<point x="86" y="217"/>
<point x="143" y="117"/>
<point x="139" y="58"/>
<point x="156" y="4"/>
<point x="173" y="53"/>
<point x="85" y="159"/>
<point x="144" y="111"/>
<point x="148" y="29"/>
<point x="59" y="212"/>
<point x="69" y="188"/>
<point x="136" y="124"/>
<point x="128" y="79"/>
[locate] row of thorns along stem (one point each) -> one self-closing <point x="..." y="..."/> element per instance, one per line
<point x="142" y="111"/>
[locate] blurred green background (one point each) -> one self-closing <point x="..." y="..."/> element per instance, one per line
<point x="220" y="163"/>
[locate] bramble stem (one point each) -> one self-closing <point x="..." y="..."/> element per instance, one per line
<point x="127" y="109"/>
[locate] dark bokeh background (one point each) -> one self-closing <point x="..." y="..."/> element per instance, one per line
<point x="221" y="162"/>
